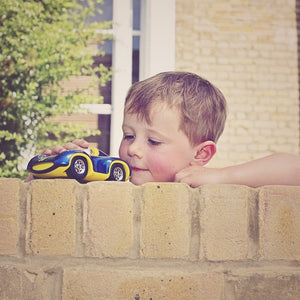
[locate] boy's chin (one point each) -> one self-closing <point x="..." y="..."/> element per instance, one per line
<point x="138" y="180"/>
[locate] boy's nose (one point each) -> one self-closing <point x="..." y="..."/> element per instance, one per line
<point x="135" y="149"/>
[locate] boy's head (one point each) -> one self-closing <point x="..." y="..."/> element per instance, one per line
<point x="171" y="120"/>
<point x="201" y="105"/>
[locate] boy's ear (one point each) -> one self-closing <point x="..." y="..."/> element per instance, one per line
<point x="204" y="153"/>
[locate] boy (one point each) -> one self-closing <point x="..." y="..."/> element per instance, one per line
<point x="172" y="122"/>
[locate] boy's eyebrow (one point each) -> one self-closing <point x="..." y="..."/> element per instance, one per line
<point x="157" y="133"/>
<point x="150" y="130"/>
<point x="125" y="125"/>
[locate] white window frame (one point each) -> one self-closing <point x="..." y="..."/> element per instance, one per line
<point x="157" y="54"/>
<point x="122" y="67"/>
<point x="157" y="49"/>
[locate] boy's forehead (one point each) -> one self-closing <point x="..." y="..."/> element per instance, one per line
<point x="158" y="111"/>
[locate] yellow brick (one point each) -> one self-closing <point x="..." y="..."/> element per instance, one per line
<point x="9" y="226"/>
<point x="51" y="217"/>
<point x="226" y="222"/>
<point x="279" y="222"/>
<point x="141" y="283"/>
<point x="8" y="236"/>
<point x="18" y="281"/>
<point x="108" y="219"/>
<point x="165" y="221"/>
<point x="269" y="283"/>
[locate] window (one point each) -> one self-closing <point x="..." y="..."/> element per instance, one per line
<point x="143" y="45"/>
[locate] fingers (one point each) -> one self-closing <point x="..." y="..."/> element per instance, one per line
<point x="183" y="179"/>
<point x="71" y="146"/>
<point x="191" y="176"/>
<point x="29" y="178"/>
<point x="76" y="144"/>
<point x="182" y="176"/>
<point x="195" y="176"/>
<point x="81" y="143"/>
<point x="58" y="150"/>
<point x="47" y="152"/>
<point x="178" y="177"/>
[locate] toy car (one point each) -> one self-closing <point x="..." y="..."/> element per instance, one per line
<point x="83" y="166"/>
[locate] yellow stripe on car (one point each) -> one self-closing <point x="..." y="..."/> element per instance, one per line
<point x="42" y="166"/>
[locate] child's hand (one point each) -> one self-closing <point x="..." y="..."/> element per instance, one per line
<point x="195" y="175"/>
<point x="76" y="144"/>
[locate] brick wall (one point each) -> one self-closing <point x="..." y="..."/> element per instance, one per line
<point x="249" y="50"/>
<point x="105" y="240"/>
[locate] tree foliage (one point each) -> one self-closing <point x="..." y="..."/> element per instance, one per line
<point x="43" y="43"/>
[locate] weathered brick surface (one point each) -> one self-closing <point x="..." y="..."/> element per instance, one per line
<point x="227" y="222"/>
<point x="109" y="240"/>
<point x="165" y="221"/>
<point x="9" y="216"/>
<point x="263" y="283"/>
<point x="28" y="282"/>
<point x="51" y="217"/>
<point x="279" y="222"/>
<point x="108" y="220"/>
<point x="142" y="283"/>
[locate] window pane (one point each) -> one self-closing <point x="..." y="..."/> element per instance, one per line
<point x="101" y="141"/>
<point x="136" y="4"/>
<point x="105" y="60"/>
<point x="107" y="12"/>
<point x="135" y="58"/>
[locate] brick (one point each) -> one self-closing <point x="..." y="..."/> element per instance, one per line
<point x="142" y="283"/>
<point x="227" y="222"/>
<point x="108" y="219"/>
<point x="263" y="283"/>
<point x="51" y="217"/>
<point x="8" y="236"/>
<point x="9" y="226"/>
<point x="27" y="282"/>
<point x="279" y="222"/>
<point x="165" y="221"/>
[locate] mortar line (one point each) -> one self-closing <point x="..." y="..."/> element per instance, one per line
<point x="194" y="203"/>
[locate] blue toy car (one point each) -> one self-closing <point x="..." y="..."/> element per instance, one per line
<point x="80" y="165"/>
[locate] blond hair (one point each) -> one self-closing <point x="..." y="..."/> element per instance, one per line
<point x="202" y="105"/>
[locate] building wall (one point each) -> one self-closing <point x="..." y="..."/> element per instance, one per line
<point x="248" y="49"/>
<point x="107" y="240"/>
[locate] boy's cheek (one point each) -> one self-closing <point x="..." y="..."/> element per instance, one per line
<point x="122" y="151"/>
<point x="162" y="169"/>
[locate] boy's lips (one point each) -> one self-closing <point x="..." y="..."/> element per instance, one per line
<point x="136" y="169"/>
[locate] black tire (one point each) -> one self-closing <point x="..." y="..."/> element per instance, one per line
<point x="78" y="168"/>
<point x="117" y="173"/>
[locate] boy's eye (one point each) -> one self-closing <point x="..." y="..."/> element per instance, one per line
<point x="153" y="142"/>
<point x="128" y="137"/>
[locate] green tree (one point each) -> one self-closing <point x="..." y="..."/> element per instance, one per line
<point x="43" y="43"/>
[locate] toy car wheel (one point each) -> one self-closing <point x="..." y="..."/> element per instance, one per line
<point x="78" y="168"/>
<point x="117" y="173"/>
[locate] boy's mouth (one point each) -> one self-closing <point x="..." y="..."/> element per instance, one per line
<point x="135" y="169"/>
